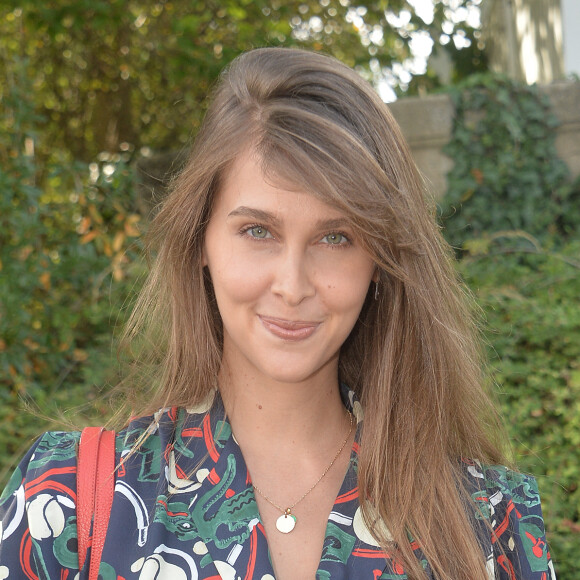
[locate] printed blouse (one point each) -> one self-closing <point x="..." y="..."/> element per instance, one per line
<point x="184" y="509"/>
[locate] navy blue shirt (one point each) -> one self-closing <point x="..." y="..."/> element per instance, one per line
<point x="184" y="508"/>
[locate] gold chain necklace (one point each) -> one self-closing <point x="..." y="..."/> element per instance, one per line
<point x="287" y="521"/>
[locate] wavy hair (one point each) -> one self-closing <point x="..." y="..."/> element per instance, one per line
<point x="413" y="356"/>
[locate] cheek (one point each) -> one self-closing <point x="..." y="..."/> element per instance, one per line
<point x="353" y="293"/>
<point x="236" y="280"/>
<point x="345" y="289"/>
<point x="344" y="302"/>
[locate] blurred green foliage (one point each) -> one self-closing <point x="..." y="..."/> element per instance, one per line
<point x="506" y="173"/>
<point x="530" y="302"/>
<point x="108" y="73"/>
<point x="513" y="213"/>
<point x="67" y="262"/>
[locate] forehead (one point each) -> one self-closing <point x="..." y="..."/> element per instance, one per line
<point x="244" y="185"/>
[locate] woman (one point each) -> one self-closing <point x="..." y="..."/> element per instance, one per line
<point x="300" y="282"/>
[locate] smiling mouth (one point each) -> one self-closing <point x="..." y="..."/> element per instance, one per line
<point x="289" y="329"/>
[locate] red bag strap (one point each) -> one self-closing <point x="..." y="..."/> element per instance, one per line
<point x="95" y="489"/>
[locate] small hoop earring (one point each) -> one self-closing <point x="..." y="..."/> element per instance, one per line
<point x="376" y="290"/>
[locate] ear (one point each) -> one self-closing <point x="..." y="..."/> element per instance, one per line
<point x="376" y="275"/>
<point x="203" y="257"/>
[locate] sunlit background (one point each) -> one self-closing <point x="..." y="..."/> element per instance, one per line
<point x="99" y="101"/>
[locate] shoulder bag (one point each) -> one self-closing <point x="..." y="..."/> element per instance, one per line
<point x="95" y="489"/>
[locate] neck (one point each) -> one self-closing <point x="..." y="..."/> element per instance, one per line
<point x="268" y="415"/>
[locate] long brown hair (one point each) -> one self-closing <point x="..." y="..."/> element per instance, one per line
<point x="413" y="357"/>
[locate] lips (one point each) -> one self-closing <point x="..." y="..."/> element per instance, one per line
<point x="294" y="330"/>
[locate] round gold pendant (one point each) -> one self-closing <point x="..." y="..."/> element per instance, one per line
<point x="286" y="523"/>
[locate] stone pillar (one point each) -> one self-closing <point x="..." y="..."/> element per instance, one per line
<point x="427" y="123"/>
<point x="524" y="39"/>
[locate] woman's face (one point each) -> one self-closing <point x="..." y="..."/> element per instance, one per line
<point x="289" y="277"/>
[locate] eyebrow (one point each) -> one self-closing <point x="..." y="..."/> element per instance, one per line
<point x="334" y="224"/>
<point x="257" y="214"/>
<point x="264" y="216"/>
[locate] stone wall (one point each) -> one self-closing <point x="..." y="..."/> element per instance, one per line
<point x="427" y="123"/>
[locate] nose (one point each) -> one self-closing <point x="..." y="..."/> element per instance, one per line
<point x="293" y="279"/>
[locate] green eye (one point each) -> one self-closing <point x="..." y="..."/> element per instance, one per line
<point x="258" y="232"/>
<point x="335" y="239"/>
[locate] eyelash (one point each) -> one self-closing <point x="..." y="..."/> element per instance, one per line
<point x="246" y="229"/>
<point x="344" y="244"/>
